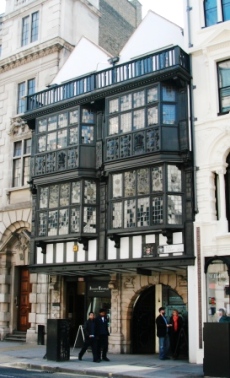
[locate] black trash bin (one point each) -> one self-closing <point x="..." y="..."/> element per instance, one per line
<point x="41" y="334"/>
<point x="57" y="344"/>
<point x="216" y="350"/>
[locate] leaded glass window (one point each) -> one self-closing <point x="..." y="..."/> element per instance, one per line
<point x="174" y="209"/>
<point x="69" y="207"/>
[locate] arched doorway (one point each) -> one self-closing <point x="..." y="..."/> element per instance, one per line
<point x="143" y="325"/>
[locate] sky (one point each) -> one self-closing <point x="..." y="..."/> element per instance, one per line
<point x="170" y="9"/>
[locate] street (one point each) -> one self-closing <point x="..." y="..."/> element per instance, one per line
<point x="8" y="372"/>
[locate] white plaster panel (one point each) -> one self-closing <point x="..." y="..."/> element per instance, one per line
<point x="49" y="253"/>
<point x="112" y="251"/>
<point x="124" y="248"/>
<point x="177" y="238"/>
<point x="150" y="238"/>
<point x="137" y="246"/>
<point x="69" y="252"/>
<point x="59" y="252"/>
<point x="92" y="251"/>
<point x="39" y="255"/>
<point x="162" y="240"/>
<point x="80" y="253"/>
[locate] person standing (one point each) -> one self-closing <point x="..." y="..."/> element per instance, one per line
<point x="90" y="338"/>
<point x="102" y="334"/>
<point x="174" y="334"/>
<point x="223" y="316"/>
<point x="162" y="334"/>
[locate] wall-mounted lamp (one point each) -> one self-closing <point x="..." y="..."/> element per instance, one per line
<point x="75" y="247"/>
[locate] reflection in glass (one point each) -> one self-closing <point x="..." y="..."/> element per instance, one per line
<point x="42" y="143"/>
<point x="62" y="120"/>
<point x="73" y="135"/>
<point x="157" y="179"/>
<point x="126" y="122"/>
<point x="75" y="220"/>
<point x="87" y="134"/>
<point x="42" y="125"/>
<point x="63" y="222"/>
<point x="53" y="196"/>
<point x="152" y="94"/>
<point x="89" y="219"/>
<point x="90" y="192"/>
<point x="73" y="116"/>
<point x="130" y="183"/>
<point x="117" y="185"/>
<point x="113" y="106"/>
<point x="143" y="182"/>
<point x="43" y="203"/>
<point x="51" y="141"/>
<point x="130" y="214"/>
<point x="87" y="116"/>
<point x="174" y="209"/>
<point x="169" y="114"/>
<point x="157" y="210"/>
<point x="138" y="99"/>
<point x="138" y="119"/>
<point x="117" y="215"/>
<point x="143" y="212"/>
<point x="76" y="192"/>
<point x="126" y="102"/>
<point x="153" y="116"/>
<point x="52" y="223"/>
<point x="52" y="123"/>
<point x="113" y="125"/>
<point x="174" y="179"/>
<point x="42" y="224"/>
<point x="64" y="194"/>
<point x="168" y="93"/>
<point x="62" y="139"/>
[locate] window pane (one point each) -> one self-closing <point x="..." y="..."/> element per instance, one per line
<point x="76" y="192"/>
<point x="126" y="102"/>
<point x="117" y="185"/>
<point x="64" y="194"/>
<point x="62" y="139"/>
<point x="174" y="179"/>
<point x="51" y="141"/>
<point x="157" y="210"/>
<point x="226" y="9"/>
<point x="113" y="125"/>
<point x="52" y="123"/>
<point x="87" y="134"/>
<point x="62" y="120"/>
<point x="168" y="93"/>
<point x="34" y="26"/>
<point x="53" y="196"/>
<point x="26" y="170"/>
<point x="17" y="148"/>
<point x="143" y="212"/>
<point x="25" y="31"/>
<point x="174" y="209"/>
<point x="143" y="183"/>
<point x="210" y="10"/>
<point x="90" y="192"/>
<point x="89" y="220"/>
<point x="126" y="122"/>
<point x="117" y="215"/>
<point x="138" y="99"/>
<point x="27" y="146"/>
<point x="75" y="220"/>
<point x="73" y="135"/>
<point x="52" y="223"/>
<point x="157" y="179"/>
<point x="152" y="94"/>
<point x="113" y="106"/>
<point x="63" y="222"/>
<point x="87" y="116"/>
<point x="130" y="183"/>
<point x="224" y="74"/>
<point x="42" y="224"/>
<point x="17" y="172"/>
<point x="31" y="87"/>
<point x="42" y="125"/>
<point x="139" y="119"/>
<point x="153" y="116"/>
<point x="169" y="114"/>
<point x="73" y="116"/>
<point x="130" y="214"/>
<point x="42" y="143"/>
<point x="21" y="99"/>
<point x="225" y="99"/>
<point x="43" y="201"/>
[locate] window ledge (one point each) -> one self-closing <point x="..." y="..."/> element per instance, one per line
<point x="223" y="113"/>
<point x="10" y="190"/>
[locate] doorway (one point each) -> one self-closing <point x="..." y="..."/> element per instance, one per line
<point x="24" y="305"/>
<point x="143" y="324"/>
<point x="75" y="305"/>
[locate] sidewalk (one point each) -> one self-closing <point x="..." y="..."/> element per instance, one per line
<point x="23" y="355"/>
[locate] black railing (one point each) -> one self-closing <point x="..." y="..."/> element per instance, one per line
<point x="171" y="57"/>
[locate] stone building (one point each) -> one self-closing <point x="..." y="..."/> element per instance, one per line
<point x="112" y="188"/>
<point x="207" y="34"/>
<point x="36" y="38"/>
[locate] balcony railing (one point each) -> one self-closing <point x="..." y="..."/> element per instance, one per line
<point x="168" y="58"/>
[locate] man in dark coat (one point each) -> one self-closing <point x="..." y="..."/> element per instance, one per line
<point x="90" y="338"/>
<point x="162" y="333"/>
<point x="102" y="333"/>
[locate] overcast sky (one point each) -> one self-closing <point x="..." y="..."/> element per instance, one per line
<point x="171" y="9"/>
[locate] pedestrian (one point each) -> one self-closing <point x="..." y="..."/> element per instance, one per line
<point x="175" y="332"/>
<point x="163" y="334"/>
<point x="102" y="334"/>
<point x="223" y="316"/>
<point x="90" y="338"/>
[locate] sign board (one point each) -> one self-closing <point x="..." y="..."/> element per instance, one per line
<point x="171" y="248"/>
<point x="98" y="289"/>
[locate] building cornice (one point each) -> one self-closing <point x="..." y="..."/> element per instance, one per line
<point x="33" y="53"/>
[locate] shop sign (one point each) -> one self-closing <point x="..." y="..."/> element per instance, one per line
<point x="171" y="248"/>
<point x="98" y="289"/>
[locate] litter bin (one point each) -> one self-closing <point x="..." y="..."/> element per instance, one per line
<point x="216" y="350"/>
<point x="41" y="334"/>
<point x="57" y="344"/>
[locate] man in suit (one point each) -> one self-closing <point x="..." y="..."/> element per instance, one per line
<point x="102" y="334"/>
<point x="90" y="338"/>
<point x="162" y="333"/>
